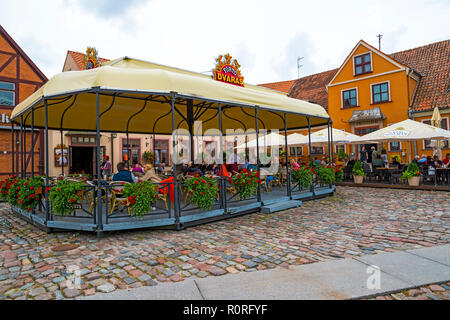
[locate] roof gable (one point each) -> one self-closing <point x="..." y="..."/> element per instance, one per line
<point x="381" y="63"/>
<point x="8" y="45"/>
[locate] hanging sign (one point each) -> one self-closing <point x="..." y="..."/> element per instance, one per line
<point x="61" y="155"/>
<point x="228" y="70"/>
<point x="91" y="59"/>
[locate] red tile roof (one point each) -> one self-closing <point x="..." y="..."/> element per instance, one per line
<point x="313" y="88"/>
<point x="433" y="63"/>
<point x="78" y="57"/>
<point x="283" y="86"/>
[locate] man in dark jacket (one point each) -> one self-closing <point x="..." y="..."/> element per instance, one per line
<point x="123" y="174"/>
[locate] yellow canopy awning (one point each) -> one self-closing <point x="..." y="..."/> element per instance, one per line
<point x="135" y="95"/>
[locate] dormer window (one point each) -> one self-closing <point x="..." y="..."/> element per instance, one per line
<point x="363" y="63"/>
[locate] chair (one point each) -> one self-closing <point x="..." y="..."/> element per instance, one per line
<point x="348" y="172"/>
<point x="396" y="176"/>
<point x="161" y="196"/>
<point x="117" y="197"/>
<point x="427" y="176"/>
<point x="367" y="171"/>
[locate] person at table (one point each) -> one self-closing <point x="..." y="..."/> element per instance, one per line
<point x="294" y="164"/>
<point x="395" y="162"/>
<point x="138" y="169"/>
<point x="374" y="153"/>
<point x="317" y="161"/>
<point x="437" y="162"/>
<point x="161" y="168"/>
<point x="363" y="154"/>
<point x="446" y="161"/>
<point x="192" y="170"/>
<point x="123" y="174"/>
<point x="384" y="157"/>
<point x="377" y="162"/>
<point x="423" y="160"/>
<point x="416" y="159"/>
<point x="150" y="174"/>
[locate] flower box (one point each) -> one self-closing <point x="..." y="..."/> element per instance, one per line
<point x="358" y="179"/>
<point x="414" y="181"/>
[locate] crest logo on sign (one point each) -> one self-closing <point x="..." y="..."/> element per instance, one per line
<point x="90" y="60"/>
<point x="228" y="70"/>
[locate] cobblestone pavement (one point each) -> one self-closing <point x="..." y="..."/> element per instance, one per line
<point x="432" y="292"/>
<point x="354" y="222"/>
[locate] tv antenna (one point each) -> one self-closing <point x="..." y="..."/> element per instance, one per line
<point x="299" y="66"/>
<point x="379" y="41"/>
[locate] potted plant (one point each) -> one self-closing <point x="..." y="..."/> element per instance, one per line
<point x="245" y="183"/>
<point x="140" y="196"/>
<point x="148" y="157"/>
<point x="303" y="176"/>
<point x="358" y="172"/>
<point x="412" y="173"/>
<point x="325" y="174"/>
<point x="203" y="190"/>
<point x="65" y="195"/>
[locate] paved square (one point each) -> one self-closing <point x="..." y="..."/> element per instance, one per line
<point x="356" y="221"/>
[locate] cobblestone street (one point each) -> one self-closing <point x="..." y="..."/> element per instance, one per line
<point x="356" y="221"/>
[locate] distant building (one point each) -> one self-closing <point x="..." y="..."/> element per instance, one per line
<point x="372" y="90"/>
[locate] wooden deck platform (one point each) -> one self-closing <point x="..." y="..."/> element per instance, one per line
<point x="395" y="186"/>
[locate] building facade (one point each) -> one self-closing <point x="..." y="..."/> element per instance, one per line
<point x="372" y="90"/>
<point x="19" y="77"/>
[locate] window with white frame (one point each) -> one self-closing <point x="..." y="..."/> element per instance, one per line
<point x="380" y="92"/>
<point x="362" y="63"/>
<point x="350" y="98"/>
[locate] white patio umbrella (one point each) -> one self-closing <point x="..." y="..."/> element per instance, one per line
<point x="406" y="130"/>
<point x="320" y="137"/>
<point x="269" y="140"/>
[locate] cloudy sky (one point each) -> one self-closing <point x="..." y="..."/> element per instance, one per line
<point x="266" y="37"/>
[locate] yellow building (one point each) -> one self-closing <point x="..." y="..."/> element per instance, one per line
<point x="372" y="90"/>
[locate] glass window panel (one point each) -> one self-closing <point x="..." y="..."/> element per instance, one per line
<point x="358" y="70"/>
<point x="384" y="96"/>
<point x="346" y="93"/>
<point x="80" y="139"/>
<point x="367" y="68"/>
<point x="6" y="98"/>
<point x="353" y="93"/>
<point x="358" y="60"/>
<point x="7" y="86"/>
<point x="376" y="89"/>
<point x="384" y="87"/>
<point x="74" y="139"/>
<point x="92" y="140"/>
<point x="367" y="58"/>
<point x="376" y="98"/>
<point x="86" y="139"/>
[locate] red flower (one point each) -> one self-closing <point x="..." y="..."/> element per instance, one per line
<point x="203" y="193"/>
<point x="203" y="181"/>
<point x="31" y="187"/>
<point x="20" y="201"/>
<point x="196" y="182"/>
<point x="123" y="183"/>
<point x="29" y="209"/>
<point x="220" y="188"/>
<point x="71" y="200"/>
<point x="129" y="198"/>
<point x="156" y="196"/>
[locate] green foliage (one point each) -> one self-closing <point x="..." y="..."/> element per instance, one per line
<point x="325" y="174"/>
<point x="342" y="155"/>
<point x="27" y="197"/>
<point x="140" y="196"/>
<point x="303" y="176"/>
<point x="64" y="196"/>
<point x="204" y="191"/>
<point x="412" y="171"/>
<point x="245" y="183"/>
<point x="358" y="169"/>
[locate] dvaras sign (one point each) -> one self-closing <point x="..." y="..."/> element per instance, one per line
<point x="228" y="70"/>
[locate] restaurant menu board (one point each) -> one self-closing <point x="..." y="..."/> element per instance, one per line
<point x="61" y="156"/>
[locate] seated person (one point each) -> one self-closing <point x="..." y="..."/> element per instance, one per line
<point x="395" y="162"/>
<point x="351" y="163"/>
<point x="317" y="161"/>
<point x="423" y="159"/>
<point x="294" y="164"/>
<point x="161" y="168"/>
<point x="138" y="168"/>
<point x="437" y="162"/>
<point x="416" y="159"/>
<point x="377" y="162"/>
<point x="191" y="170"/>
<point x="446" y="161"/>
<point x="150" y="174"/>
<point x="123" y="174"/>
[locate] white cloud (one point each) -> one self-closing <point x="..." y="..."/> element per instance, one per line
<point x="265" y="36"/>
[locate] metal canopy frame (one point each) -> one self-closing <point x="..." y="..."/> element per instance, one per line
<point x="174" y="100"/>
